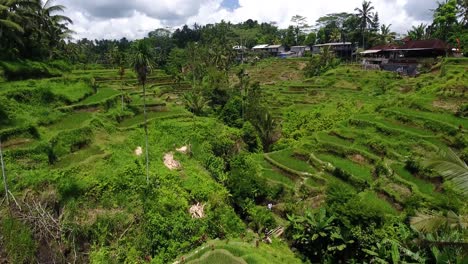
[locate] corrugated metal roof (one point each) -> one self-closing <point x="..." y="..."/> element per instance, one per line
<point x="274" y="46"/>
<point x="262" y="46"/>
<point x="333" y="44"/>
<point x="425" y="44"/>
<point x="433" y="44"/>
<point x="370" y="51"/>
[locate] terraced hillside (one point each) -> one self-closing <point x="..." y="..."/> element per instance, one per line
<point x="72" y="149"/>
<point x="368" y="130"/>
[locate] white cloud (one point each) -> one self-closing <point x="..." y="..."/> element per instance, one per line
<point x="134" y="19"/>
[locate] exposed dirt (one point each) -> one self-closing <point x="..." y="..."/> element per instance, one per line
<point x="16" y="142"/>
<point x="170" y="162"/>
<point x="358" y="159"/>
<point x="138" y="151"/>
<point x="197" y="211"/>
<point x="390" y="200"/>
<point x="446" y="105"/>
<point x="183" y="149"/>
<point x="403" y="190"/>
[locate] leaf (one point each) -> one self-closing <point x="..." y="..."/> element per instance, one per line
<point x="451" y="167"/>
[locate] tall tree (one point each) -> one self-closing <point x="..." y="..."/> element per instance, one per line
<point x="300" y="28"/>
<point x="445" y="18"/>
<point x="418" y="32"/>
<point x="386" y="34"/>
<point x="366" y="18"/>
<point x="142" y="62"/>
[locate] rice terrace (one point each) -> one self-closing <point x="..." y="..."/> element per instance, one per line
<point x="321" y="138"/>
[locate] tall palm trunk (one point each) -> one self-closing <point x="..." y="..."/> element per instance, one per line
<point x="3" y="173"/>
<point x="146" y="132"/>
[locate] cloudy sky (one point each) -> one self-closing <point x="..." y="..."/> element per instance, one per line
<point x="114" y="19"/>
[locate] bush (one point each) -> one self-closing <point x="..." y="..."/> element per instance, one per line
<point x="23" y="70"/>
<point x="251" y="138"/>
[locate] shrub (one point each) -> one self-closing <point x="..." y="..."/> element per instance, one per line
<point x="412" y="165"/>
<point x="251" y="138"/>
<point x="22" y="70"/>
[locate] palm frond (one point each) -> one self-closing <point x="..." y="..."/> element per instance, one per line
<point x="452" y="168"/>
<point x="429" y="222"/>
<point x="11" y="25"/>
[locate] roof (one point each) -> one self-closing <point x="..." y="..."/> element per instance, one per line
<point x="239" y="47"/>
<point x="371" y="51"/>
<point x="433" y="44"/>
<point x="333" y="44"/>
<point x="274" y="46"/>
<point x="436" y="44"/>
<point x="384" y="47"/>
<point x="262" y="46"/>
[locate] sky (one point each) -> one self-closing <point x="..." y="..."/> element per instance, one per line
<point x="115" y="19"/>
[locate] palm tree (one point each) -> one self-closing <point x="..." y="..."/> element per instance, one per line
<point x="51" y="23"/>
<point x="366" y="17"/>
<point x="386" y="35"/>
<point x="142" y="62"/>
<point x="266" y="127"/>
<point x="195" y="102"/>
<point x="418" y="32"/>
<point x="8" y="18"/>
<point x="10" y="26"/>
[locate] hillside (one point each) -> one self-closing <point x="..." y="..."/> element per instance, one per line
<point x="70" y="156"/>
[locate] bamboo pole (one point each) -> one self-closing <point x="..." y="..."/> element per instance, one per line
<point x="4" y="174"/>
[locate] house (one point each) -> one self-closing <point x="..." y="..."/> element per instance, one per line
<point x="341" y="49"/>
<point x="405" y="58"/>
<point x="273" y="50"/>
<point x="299" y="51"/>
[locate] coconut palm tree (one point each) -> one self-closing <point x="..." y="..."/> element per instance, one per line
<point x="386" y="35"/>
<point x="266" y="126"/>
<point x="366" y="17"/>
<point x="418" y="32"/>
<point x="451" y="168"/>
<point x="142" y="63"/>
<point x="9" y="19"/>
<point x="195" y="102"/>
<point x="11" y="29"/>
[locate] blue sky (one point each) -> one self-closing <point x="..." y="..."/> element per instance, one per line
<point x="230" y="4"/>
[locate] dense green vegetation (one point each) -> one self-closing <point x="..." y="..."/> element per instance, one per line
<point x="349" y="146"/>
<point x="185" y="154"/>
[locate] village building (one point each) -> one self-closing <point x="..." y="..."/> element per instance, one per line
<point x="273" y="50"/>
<point x="343" y="50"/>
<point x="299" y="51"/>
<point x="404" y="58"/>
